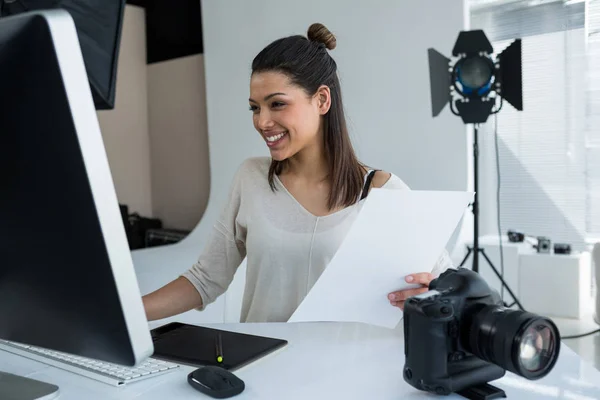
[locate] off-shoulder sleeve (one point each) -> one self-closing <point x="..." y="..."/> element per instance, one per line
<point x="212" y="274"/>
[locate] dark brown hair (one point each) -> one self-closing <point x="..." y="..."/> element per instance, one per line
<point x="307" y="63"/>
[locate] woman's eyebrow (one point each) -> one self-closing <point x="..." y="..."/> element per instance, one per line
<point x="268" y="96"/>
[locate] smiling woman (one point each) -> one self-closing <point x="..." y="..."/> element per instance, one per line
<point x="300" y="107"/>
<point x="287" y="213"/>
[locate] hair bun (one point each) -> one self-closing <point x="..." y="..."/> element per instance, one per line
<point x="319" y="33"/>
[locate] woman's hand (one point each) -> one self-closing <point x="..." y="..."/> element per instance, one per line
<point x="398" y="298"/>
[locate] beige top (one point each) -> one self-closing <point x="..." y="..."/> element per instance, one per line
<point x="287" y="248"/>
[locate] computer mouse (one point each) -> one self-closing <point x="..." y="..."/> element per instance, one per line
<point x="216" y="382"/>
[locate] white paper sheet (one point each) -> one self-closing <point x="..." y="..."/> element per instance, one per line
<point x="396" y="233"/>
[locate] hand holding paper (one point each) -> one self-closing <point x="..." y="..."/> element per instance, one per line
<point x="397" y="233"/>
<point x="398" y="298"/>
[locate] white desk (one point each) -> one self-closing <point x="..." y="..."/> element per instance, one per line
<point x="322" y="361"/>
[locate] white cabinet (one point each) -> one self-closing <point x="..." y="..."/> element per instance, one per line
<point x="557" y="285"/>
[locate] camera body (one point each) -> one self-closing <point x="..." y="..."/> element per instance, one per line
<point x="544" y="244"/>
<point x="515" y="237"/>
<point x="562" y="248"/>
<point x="441" y="329"/>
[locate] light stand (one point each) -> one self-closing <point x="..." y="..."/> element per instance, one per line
<point x="475" y="249"/>
<point x="472" y="85"/>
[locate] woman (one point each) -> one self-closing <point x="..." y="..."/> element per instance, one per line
<point x="287" y="213"/>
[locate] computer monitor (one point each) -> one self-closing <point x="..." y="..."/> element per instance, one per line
<point x="67" y="280"/>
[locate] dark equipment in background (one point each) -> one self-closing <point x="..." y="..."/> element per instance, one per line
<point x="171" y="32"/>
<point x="515" y="237"/>
<point x="99" y="24"/>
<point x="562" y="248"/>
<point x="544" y="245"/>
<point x="474" y="84"/>
<point x="459" y="337"/>
<point x="136" y="227"/>
<point x="143" y="232"/>
<point x="164" y="236"/>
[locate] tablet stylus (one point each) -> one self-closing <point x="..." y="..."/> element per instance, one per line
<point x="219" y="348"/>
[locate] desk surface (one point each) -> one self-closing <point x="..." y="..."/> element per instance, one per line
<point x="322" y="361"/>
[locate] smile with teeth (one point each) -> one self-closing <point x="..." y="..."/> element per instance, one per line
<point x="273" y="139"/>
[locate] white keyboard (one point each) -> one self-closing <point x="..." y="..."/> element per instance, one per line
<point x="112" y="374"/>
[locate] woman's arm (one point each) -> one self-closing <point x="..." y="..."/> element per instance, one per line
<point x="174" y="298"/>
<point x="210" y="276"/>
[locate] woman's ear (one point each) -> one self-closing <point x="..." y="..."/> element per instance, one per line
<point x="323" y="98"/>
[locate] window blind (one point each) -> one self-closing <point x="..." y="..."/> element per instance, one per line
<point x="593" y="121"/>
<point x="546" y="186"/>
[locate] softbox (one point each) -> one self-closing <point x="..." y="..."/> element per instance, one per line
<point x="98" y="24"/>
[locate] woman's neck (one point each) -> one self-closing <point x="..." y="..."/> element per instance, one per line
<point x="310" y="164"/>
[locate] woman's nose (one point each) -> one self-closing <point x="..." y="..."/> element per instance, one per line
<point x="264" y="120"/>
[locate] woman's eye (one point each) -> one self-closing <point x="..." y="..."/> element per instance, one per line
<point x="277" y="104"/>
<point x="253" y="108"/>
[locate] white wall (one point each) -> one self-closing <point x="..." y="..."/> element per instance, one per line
<point x="125" y="128"/>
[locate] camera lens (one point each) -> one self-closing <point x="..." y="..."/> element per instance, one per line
<point x="535" y="347"/>
<point x="518" y="341"/>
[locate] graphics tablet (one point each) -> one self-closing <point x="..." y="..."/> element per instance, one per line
<point x="197" y="345"/>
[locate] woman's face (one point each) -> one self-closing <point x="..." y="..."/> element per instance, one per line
<point x="286" y="117"/>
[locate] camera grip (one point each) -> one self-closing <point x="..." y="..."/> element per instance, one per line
<point x="427" y="326"/>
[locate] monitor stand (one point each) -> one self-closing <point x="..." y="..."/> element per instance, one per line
<point x="17" y="387"/>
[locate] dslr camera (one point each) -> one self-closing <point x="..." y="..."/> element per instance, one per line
<point x="459" y="336"/>
<point x="515" y="237"/>
<point x="544" y="244"/>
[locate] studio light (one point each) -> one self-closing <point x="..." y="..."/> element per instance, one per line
<point x="459" y="337"/>
<point x="476" y="83"/>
